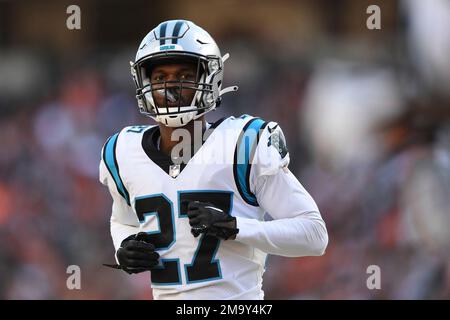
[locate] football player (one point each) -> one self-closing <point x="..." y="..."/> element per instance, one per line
<point x="198" y="224"/>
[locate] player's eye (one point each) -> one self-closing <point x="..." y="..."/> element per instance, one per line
<point x="187" y="76"/>
<point x="158" y="78"/>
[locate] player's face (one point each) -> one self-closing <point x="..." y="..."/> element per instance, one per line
<point x="173" y="83"/>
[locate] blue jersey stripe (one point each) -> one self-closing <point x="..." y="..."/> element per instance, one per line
<point x="109" y="156"/>
<point x="244" y="153"/>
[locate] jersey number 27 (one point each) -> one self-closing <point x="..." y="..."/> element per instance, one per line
<point x="204" y="266"/>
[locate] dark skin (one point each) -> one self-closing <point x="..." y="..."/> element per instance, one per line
<point x="174" y="72"/>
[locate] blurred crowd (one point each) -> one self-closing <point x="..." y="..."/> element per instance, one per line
<point x="368" y="130"/>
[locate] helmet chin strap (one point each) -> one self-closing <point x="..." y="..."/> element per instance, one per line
<point x="229" y="89"/>
<point x="225" y="57"/>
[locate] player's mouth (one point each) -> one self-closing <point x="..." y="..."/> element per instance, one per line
<point x="171" y="97"/>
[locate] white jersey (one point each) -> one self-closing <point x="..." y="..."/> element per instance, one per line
<point x="240" y="168"/>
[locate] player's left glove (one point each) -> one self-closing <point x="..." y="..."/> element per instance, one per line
<point x="205" y="218"/>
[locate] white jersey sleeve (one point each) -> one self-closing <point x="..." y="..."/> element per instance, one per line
<point x="123" y="222"/>
<point x="298" y="228"/>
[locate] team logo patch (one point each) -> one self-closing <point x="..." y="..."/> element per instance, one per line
<point x="174" y="170"/>
<point x="278" y="141"/>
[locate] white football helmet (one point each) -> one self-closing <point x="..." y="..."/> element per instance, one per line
<point x="179" y="40"/>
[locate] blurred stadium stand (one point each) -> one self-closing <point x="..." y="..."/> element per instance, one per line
<point x="366" y="114"/>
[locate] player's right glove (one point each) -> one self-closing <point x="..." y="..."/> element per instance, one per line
<point x="136" y="254"/>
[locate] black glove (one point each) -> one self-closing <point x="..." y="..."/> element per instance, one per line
<point x="208" y="219"/>
<point x="136" y="254"/>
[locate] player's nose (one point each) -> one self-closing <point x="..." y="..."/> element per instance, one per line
<point x="172" y="77"/>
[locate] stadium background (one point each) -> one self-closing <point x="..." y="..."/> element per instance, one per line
<point x="366" y="114"/>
